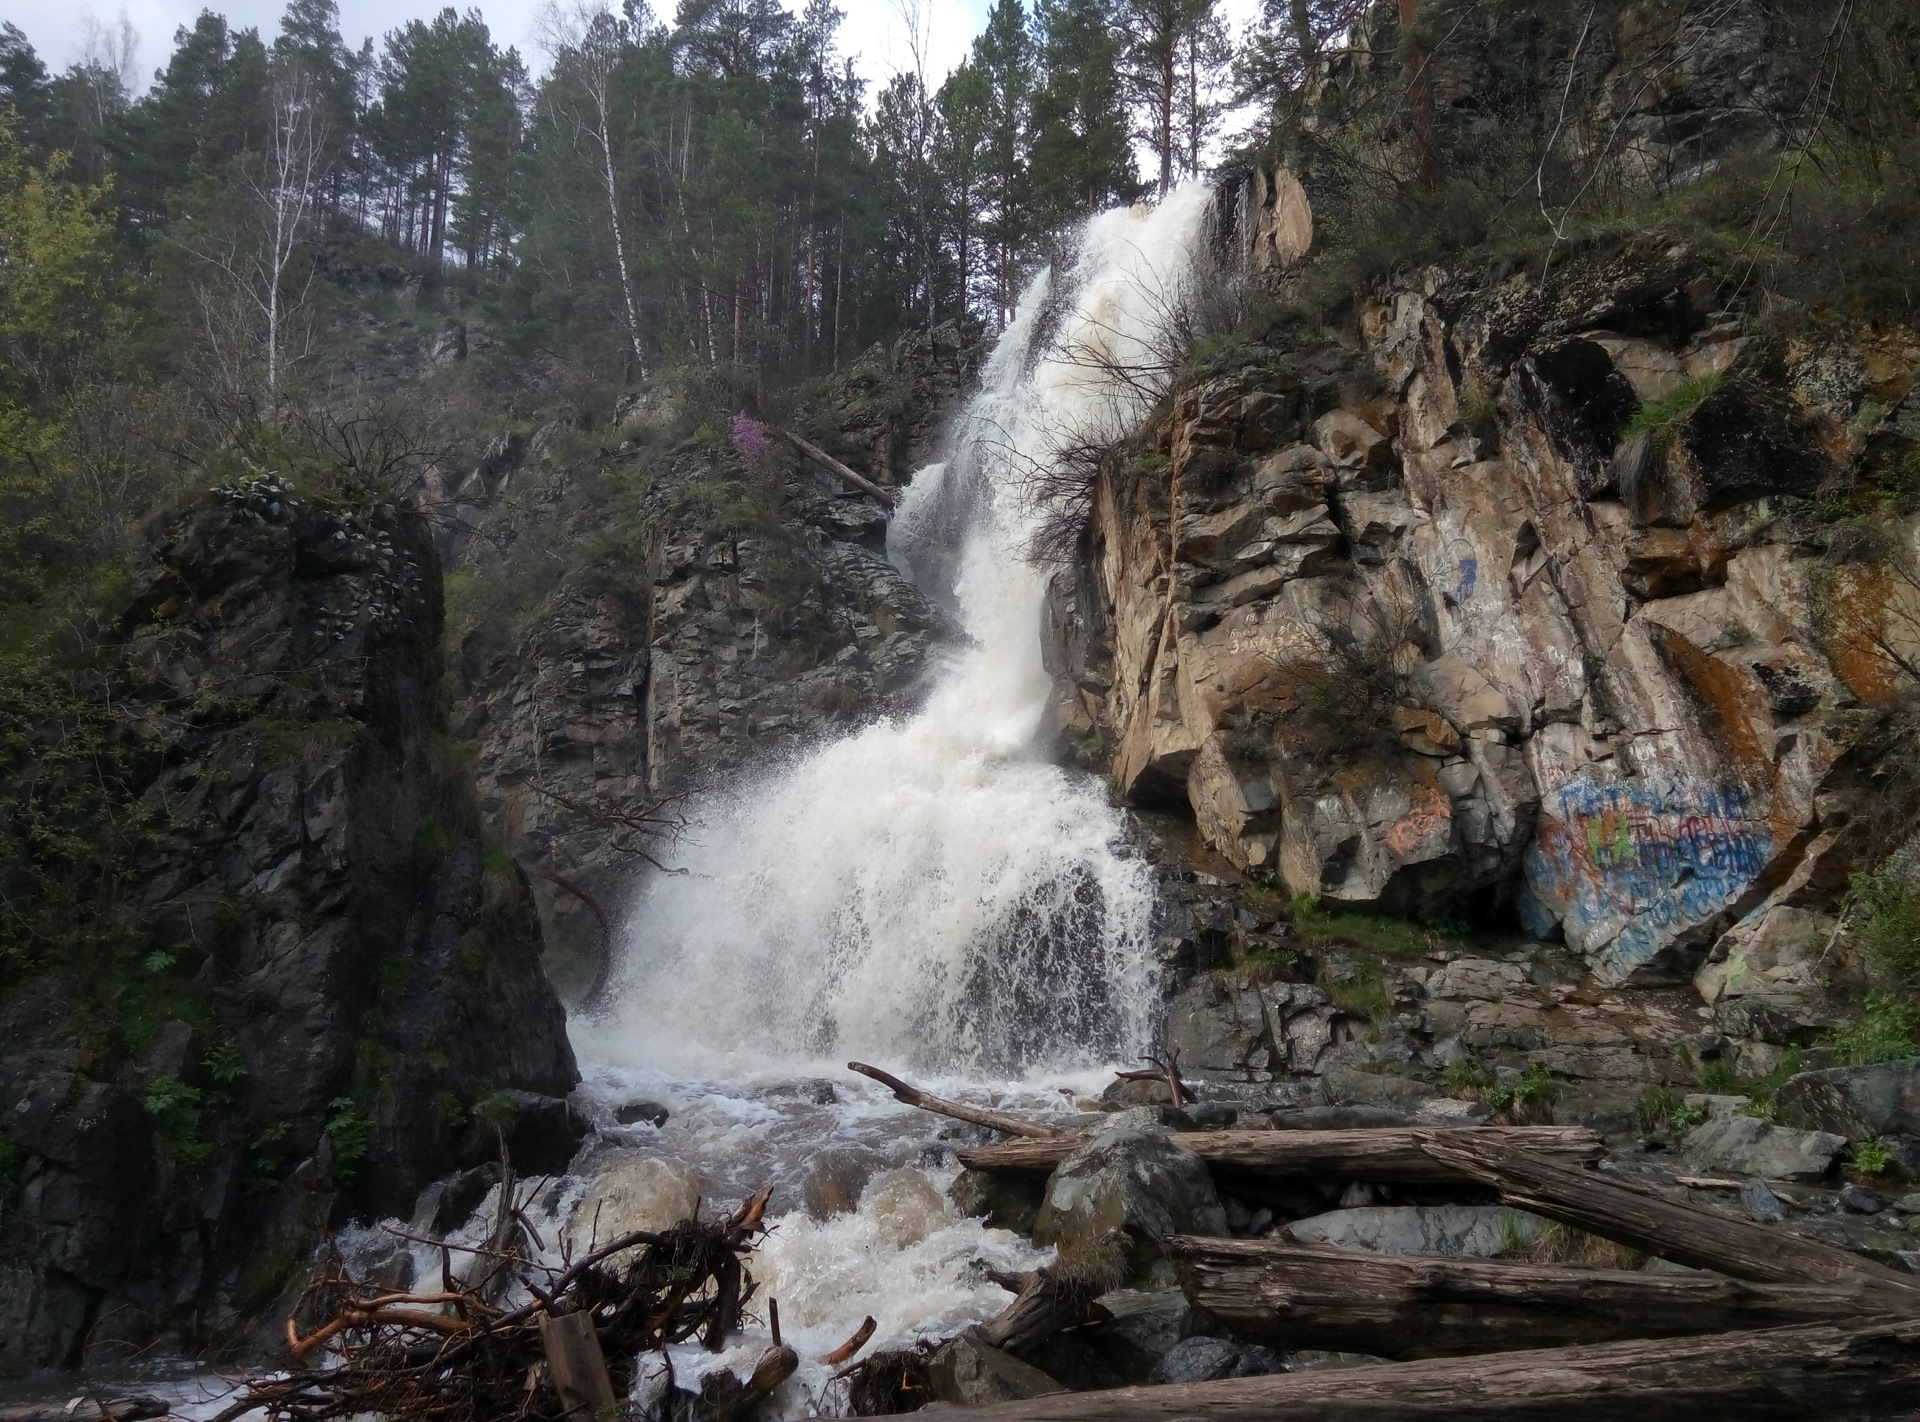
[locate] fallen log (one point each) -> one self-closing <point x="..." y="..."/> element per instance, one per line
<point x="959" y="1110"/>
<point x="829" y="463"/>
<point x="1389" y="1153"/>
<point x="1046" y="1301"/>
<point x="1869" y="1369"/>
<point x="1430" y="1306"/>
<point x="1645" y="1219"/>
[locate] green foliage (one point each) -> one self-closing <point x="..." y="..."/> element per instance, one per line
<point x="349" y="1132"/>
<point x="1870" y="1157"/>
<point x="1381" y="933"/>
<point x="1887" y="1031"/>
<point x="1661" y="419"/>
<point x="1536" y="1090"/>
<point x="176" y="1109"/>
<point x="1467" y="1078"/>
<point x="1887" y="925"/>
<point x="222" y="1062"/>
<point x="263" y="1158"/>
<point x="1662" y="1112"/>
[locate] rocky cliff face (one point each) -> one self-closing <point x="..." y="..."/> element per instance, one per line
<point x="763" y="615"/>
<point x="324" y="974"/>
<point x="1519" y="601"/>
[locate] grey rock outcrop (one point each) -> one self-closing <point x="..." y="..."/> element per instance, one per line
<point x="332" y="975"/>
<point x="1857" y="1103"/>
<point x="1746" y="1145"/>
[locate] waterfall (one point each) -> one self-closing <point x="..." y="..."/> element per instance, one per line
<point x="930" y="891"/>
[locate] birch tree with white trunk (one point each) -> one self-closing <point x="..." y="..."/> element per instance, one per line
<point x="586" y="41"/>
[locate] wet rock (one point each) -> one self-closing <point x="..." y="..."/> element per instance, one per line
<point x="460" y="1195"/>
<point x="635" y="1113"/>
<point x="1137" y="1181"/>
<point x="1195" y="1360"/>
<point x="1478" y="1231"/>
<point x="970" y="1373"/>
<point x="634" y="1193"/>
<point x="1123" y="1350"/>
<point x="1859" y="1200"/>
<point x="1213" y="1115"/>
<point x="541" y="1133"/>
<point x="1006" y="1199"/>
<point x="1858" y="1103"/>
<point x="1908" y="1204"/>
<point x="1746" y="1145"/>
<point x="905" y="1206"/>
<point x="834" y="1179"/>
<point x="1760" y="1202"/>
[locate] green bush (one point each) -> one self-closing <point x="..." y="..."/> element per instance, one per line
<point x="349" y="1130"/>
<point x="1887" y="1031"/>
<point x="1870" y="1158"/>
<point x="1889" y="926"/>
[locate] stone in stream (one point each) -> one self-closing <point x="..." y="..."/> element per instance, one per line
<point x="1858" y="1103"/>
<point x="1478" y="1231"/>
<point x="635" y="1113"/>
<point x="1195" y="1360"/>
<point x="1006" y="1199"/>
<point x="1746" y="1145"/>
<point x="1129" y="1178"/>
<point x="1760" y="1202"/>
<point x="1123" y="1350"/>
<point x="1859" y="1200"/>
<point x="970" y="1373"/>
<point x="636" y="1192"/>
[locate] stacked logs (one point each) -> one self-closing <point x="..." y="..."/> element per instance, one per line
<point x="1775" y="1325"/>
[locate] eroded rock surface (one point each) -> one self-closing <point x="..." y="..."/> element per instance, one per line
<point x="1413" y="624"/>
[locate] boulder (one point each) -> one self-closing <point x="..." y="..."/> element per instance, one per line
<point x="635" y="1192"/>
<point x="1478" y="1231"/>
<point x="1006" y="1199"/>
<point x="1858" y="1103"/>
<point x="1196" y="1360"/>
<point x="1746" y="1145"/>
<point x="1769" y="953"/>
<point x="1342" y="1086"/>
<point x="1120" y="1351"/>
<point x="541" y="1133"/>
<point x="970" y="1373"/>
<point x="1136" y="1181"/>
<point x="1760" y="1202"/>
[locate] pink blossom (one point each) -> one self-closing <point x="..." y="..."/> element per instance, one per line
<point x="750" y="438"/>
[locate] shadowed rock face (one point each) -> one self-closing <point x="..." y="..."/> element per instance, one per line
<point x="1415" y="624"/>
<point x="336" y="973"/>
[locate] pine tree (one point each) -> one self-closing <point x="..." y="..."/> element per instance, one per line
<point x="1082" y="159"/>
<point x="1004" y="56"/>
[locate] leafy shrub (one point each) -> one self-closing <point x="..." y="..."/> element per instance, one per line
<point x="1888" y="928"/>
<point x="349" y="1131"/>
<point x="1870" y="1158"/>
<point x="1887" y="1031"/>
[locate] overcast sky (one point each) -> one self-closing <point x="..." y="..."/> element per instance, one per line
<point x="873" y="32"/>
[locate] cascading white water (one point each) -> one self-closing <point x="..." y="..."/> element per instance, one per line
<point x="931" y="892"/>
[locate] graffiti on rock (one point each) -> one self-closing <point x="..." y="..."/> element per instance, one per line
<point x="1627" y="867"/>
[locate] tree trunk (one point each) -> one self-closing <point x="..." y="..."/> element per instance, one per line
<point x="1865" y="1370"/>
<point x="1686" y="1234"/>
<point x="1428" y="1306"/>
<point x="1386" y="1153"/>
<point x="1420" y="103"/>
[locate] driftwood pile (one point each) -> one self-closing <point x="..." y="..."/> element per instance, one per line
<point x="457" y="1354"/>
<point x="1776" y="1325"/>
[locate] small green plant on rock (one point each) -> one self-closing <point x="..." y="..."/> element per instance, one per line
<point x="1528" y="1101"/>
<point x="1870" y="1157"/>
<point x="349" y="1130"/>
<point x="1660" y="419"/>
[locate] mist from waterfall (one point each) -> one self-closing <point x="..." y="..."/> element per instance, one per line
<point x="930" y="891"/>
